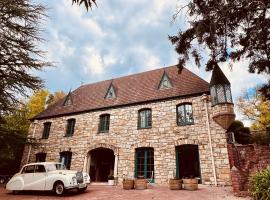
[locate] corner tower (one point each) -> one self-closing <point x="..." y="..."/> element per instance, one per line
<point x="221" y="98"/>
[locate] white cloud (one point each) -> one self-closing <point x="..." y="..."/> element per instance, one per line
<point x="147" y="57"/>
<point x="110" y="59"/>
<point x="92" y="62"/>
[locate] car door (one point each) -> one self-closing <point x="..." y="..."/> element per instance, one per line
<point x="39" y="178"/>
<point x="27" y="175"/>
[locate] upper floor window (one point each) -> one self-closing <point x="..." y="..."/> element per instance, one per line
<point x="46" y="130"/>
<point x="70" y="127"/>
<point x="104" y="123"/>
<point x="184" y="114"/>
<point x="145" y="118"/>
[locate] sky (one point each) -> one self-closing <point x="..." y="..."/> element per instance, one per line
<point x="117" y="38"/>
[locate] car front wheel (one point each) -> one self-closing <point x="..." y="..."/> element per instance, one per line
<point x="59" y="188"/>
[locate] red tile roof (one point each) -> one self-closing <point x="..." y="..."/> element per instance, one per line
<point x="132" y="89"/>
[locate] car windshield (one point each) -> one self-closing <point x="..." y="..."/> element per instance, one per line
<point x="53" y="167"/>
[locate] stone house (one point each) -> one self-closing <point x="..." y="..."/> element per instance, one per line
<point x="157" y="124"/>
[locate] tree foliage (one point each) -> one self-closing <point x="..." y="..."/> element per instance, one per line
<point x="255" y="107"/>
<point x="53" y="98"/>
<point x="19" y="56"/>
<point x="230" y="30"/>
<point x="87" y="3"/>
<point x="241" y="133"/>
<point x="14" y="127"/>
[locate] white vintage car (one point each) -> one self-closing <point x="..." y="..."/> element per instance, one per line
<point x="48" y="176"/>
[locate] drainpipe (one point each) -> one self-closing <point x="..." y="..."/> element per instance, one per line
<point x="30" y="146"/>
<point x="205" y="98"/>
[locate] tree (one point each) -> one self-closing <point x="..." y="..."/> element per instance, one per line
<point x="19" y="55"/>
<point x="36" y="103"/>
<point x="241" y="133"/>
<point x="230" y="30"/>
<point x="14" y="127"/>
<point x="255" y="107"/>
<point x="87" y="3"/>
<point x="53" y="98"/>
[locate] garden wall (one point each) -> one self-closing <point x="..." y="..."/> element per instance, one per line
<point x="245" y="160"/>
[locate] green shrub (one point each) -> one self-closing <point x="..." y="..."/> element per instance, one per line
<point x="260" y="185"/>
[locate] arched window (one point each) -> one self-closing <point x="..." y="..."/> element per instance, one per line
<point x="104" y="123"/>
<point x="184" y="114"/>
<point x="145" y="118"/>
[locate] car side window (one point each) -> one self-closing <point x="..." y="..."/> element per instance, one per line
<point x="29" y="169"/>
<point x="40" y="169"/>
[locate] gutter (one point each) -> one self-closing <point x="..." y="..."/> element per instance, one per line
<point x="205" y="99"/>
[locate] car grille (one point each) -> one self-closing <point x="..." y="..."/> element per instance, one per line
<point x="79" y="177"/>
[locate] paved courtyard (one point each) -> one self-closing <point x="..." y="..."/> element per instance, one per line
<point x="102" y="192"/>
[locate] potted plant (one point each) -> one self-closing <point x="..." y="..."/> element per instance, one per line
<point x="175" y="183"/>
<point x="140" y="183"/>
<point x="110" y="180"/>
<point x="190" y="183"/>
<point x="128" y="184"/>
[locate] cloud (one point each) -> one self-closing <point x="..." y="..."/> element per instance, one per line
<point x="92" y="62"/>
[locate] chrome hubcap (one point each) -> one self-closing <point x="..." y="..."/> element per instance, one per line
<point x="59" y="189"/>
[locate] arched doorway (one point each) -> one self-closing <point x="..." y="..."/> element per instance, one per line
<point x="187" y="161"/>
<point x="101" y="164"/>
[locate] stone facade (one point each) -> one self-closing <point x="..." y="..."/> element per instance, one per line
<point x="124" y="137"/>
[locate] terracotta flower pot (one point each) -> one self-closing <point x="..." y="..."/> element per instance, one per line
<point x="140" y="184"/>
<point x="128" y="184"/>
<point x="190" y="184"/>
<point x="175" y="184"/>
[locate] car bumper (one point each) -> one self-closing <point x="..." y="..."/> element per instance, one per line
<point x="78" y="186"/>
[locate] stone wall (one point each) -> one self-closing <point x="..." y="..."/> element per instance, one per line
<point x="246" y="160"/>
<point x="124" y="137"/>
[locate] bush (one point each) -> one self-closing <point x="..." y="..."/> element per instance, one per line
<point x="261" y="138"/>
<point x="260" y="185"/>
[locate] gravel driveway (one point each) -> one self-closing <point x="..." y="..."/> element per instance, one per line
<point x="103" y="192"/>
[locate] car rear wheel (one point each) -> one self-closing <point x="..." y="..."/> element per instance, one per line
<point x="59" y="188"/>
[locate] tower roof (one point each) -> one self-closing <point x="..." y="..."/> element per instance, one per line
<point x="218" y="77"/>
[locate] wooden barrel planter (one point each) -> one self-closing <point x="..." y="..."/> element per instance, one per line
<point x="128" y="184"/>
<point x="190" y="184"/>
<point x="175" y="184"/>
<point x="140" y="184"/>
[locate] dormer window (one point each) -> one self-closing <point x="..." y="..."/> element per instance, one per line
<point x="165" y="82"/>
<point x="68" y="100"/>
<point x="110" y="93"/>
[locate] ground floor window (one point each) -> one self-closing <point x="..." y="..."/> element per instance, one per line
<point x="40" y="157"/>
<point x="144" y="163"/>
<point x="187" y="161"/>
<point x="65" y="158"/>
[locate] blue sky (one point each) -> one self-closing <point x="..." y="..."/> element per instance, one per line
<point x="118" y="38"/>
